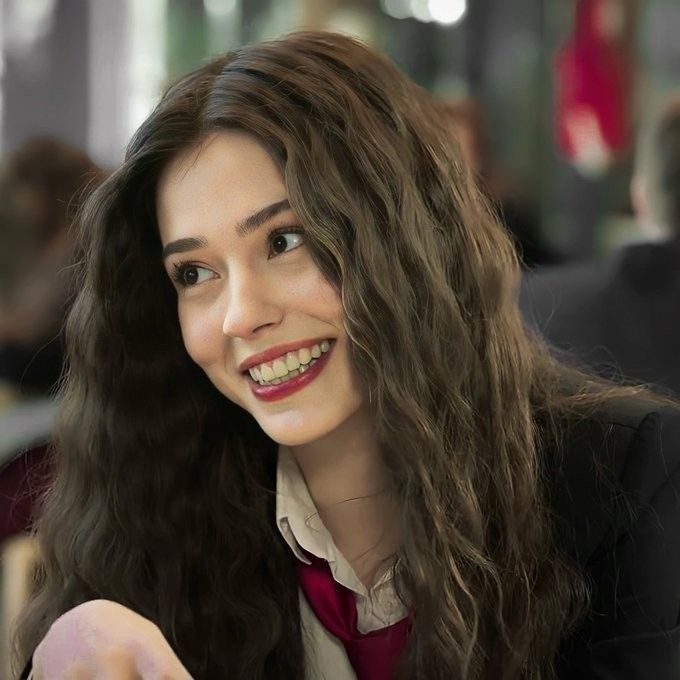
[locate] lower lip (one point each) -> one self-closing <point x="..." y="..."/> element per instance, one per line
<point x="275" y="392"/>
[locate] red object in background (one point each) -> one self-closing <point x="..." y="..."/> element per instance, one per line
<point x="22" y="482"/>
<point x="594" y="81"/>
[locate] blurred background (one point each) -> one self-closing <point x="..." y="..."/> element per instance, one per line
<point x="88" y="72"/>
<point x="549" y="100"/>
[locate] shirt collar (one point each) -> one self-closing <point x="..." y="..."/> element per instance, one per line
<point x="301" y="526"/>
<point x="296" y="515"/>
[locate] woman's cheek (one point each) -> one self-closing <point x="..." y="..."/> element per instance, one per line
<point x="321" y="298"/>
<point x="202" y="339"/>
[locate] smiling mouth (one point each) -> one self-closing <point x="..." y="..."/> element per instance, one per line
<point x="289" y="365"/>
<point x="296" y="379"/>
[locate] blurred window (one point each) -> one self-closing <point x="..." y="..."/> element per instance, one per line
<point x="148" y="19"/>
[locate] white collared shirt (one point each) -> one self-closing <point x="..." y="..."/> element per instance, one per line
<point x="301" y="527"/>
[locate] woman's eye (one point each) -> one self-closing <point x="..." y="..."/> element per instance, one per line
<point x="188" y="275"/>
<point x="285" y="241"/>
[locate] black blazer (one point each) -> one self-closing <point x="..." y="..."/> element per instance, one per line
<point x="615" y="491"/>
<point x="620" y="314"/>
<point x="614" y="487"/>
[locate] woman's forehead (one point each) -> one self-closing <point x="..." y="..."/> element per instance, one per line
<point x="217" y="183"/>
<point x="232" y="153"/>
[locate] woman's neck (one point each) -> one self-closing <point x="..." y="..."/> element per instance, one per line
<point x="350" y="486"/>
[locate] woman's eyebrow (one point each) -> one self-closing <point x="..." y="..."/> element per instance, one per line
<point x="243" y="228"/>
<point x="258" y="218"/>
<point x="182" y="245"/>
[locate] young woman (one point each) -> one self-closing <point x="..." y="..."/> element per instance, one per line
<point x="304" y="433"/>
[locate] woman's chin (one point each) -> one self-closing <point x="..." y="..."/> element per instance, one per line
<point x="291" y="438"/>
<point x="295" y="430"/>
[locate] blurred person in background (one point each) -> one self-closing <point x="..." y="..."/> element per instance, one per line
<point x="304" y="432"/>
<point x="467" y="121"/>
<point x="41" y="186"/>
<point x="620" y="315"/>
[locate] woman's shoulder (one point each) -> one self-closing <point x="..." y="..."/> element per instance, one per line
<point x="608" y="468"/>
<point x="615" y="492"/>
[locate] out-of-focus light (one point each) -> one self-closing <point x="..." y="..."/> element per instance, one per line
<point x="399" y="9"/>
<point x="224" y="21"/>
<point x="219" y="8"/>
<point x="147" y="57"/>
<point x="420" y="9"/>
<point x="446" y="12"/>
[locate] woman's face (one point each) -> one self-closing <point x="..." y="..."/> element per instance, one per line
<point x="255" y="312"/>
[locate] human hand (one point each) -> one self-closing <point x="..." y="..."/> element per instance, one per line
<point x="103" y="640"/>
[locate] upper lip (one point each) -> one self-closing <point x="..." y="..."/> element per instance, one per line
<point x="277" y="351"/>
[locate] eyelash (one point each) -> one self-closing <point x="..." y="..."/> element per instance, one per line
<point x="180" y="268"/>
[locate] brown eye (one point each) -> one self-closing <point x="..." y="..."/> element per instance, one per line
<point x="279" y="244"/>
<point x="188" y="275"/>
<point x="284" y="242"/>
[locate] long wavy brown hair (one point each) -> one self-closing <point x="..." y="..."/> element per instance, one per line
<point x="163" y="498"/>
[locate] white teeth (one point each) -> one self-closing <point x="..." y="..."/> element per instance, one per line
<point x="287" y="367"/>
<point x="267" y="373"/>
<point x="280" y="369"/>
<point x="287" y="377"/>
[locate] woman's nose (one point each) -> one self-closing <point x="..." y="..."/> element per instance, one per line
<point x="251" y="304"/>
